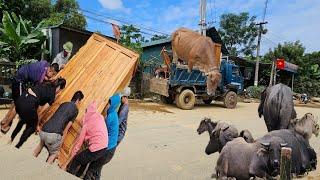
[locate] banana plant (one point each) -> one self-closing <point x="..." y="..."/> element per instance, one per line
<point x="18" y="38"/>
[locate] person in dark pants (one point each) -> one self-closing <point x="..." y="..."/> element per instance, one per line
<point x="27" y="105"/>
<point x="112" y="122"/>
<point x="94" y="130"/>
<point x="55" y="129"/>
<point x="34" y="74"/>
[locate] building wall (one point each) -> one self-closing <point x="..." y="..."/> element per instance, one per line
<point x="152" y="53"/>
<point x="78" y="39"/>
<point x="55" y="33"/>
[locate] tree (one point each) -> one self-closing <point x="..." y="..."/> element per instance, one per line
<point x="131" y="37"/>
<point x="290" y="51"/>
<point x="71" y="15"/>
<point x="53" y="13"/>
<point x="36" y="10"/>
<point x="158" y="37"/>
<point x="239" y="32"/>
<point x="19" y="40"/>
<point x="15" y="6"/>
<point x="308" y="79"/>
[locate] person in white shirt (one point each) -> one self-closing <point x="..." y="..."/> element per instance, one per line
<point x="63" y="57"/>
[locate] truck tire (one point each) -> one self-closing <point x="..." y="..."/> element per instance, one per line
<point x="230" y="100"/>
<point x="207" y="101"/>
<point x="186" y="99"/>
<point x="166" y="100"/>
<point x="177" y="100"/>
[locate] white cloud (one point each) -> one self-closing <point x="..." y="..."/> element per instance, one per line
<point x="298" y="21"/>
<point x="174" y="13"/>
<point x="114" y="5"/>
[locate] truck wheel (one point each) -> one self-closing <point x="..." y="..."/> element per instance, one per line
<point x="177" y="100"/>
<point x="166" y="100"/>
<point x="230" y="100"/>
<point x="186" y="100"/>
<point x="207" y="101"/>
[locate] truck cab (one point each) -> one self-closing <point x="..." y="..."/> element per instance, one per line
<point x="231" y="77"/>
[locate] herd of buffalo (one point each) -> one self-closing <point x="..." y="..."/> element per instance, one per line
<point x="243" y="157"/>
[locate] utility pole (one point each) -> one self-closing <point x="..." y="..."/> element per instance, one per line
<point x="256" y="74"/>
<point x="203" y="24"/>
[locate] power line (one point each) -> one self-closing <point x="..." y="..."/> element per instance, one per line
<point x="277" y="36"/>
<point x="106" y="22"/>
<point x="124" y="22"/>
<point x="271" y="41"/>
<point x="265" y="10"/>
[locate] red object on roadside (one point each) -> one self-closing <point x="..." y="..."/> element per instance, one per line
<point x="280" y="64"/>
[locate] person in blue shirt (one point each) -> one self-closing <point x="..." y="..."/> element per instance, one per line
<point x="112" y="122"/>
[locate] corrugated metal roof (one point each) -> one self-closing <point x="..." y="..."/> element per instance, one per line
<point x="157" y="42"/>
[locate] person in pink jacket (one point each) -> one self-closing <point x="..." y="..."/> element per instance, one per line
<point x="94" y="131"/>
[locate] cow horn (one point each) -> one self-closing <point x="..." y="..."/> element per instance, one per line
<point x="265" y="144"/>
<point x="283" y="144"/>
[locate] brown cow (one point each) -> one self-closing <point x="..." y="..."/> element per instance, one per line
<point x="197" y="50"/>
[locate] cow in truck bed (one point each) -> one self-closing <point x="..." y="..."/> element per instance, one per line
<point x="197" y="50"/>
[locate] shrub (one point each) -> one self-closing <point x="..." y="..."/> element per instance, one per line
<point x="255" y="91"/>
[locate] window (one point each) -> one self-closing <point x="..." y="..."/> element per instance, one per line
<point x="235" y="71"/>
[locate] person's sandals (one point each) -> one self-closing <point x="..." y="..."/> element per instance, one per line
<point x="4" y="131"/>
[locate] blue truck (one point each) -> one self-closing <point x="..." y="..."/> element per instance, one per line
<point x="184" y="88"/>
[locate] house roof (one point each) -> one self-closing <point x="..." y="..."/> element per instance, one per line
<point x="214" y="35"/>
<point x="157" y="42"/>
<point x="82" y="31"/>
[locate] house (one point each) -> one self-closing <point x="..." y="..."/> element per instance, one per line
<point x="58" y="35"/>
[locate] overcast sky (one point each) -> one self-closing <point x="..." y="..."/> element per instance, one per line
<point x="288" y="20"/>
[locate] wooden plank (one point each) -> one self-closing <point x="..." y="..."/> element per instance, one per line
<point x="159" y="86"/>
<point x="285" y="164"/>
<point x="99" y="69"/>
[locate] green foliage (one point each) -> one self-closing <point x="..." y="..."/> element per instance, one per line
<point x="239" y="32"/>
<point x="52" y="12"/>
<point x="308" y="79"/>
<point x="69" y="11"/>
<point x="15" y="6"/>
<point x="158" y="37"/>
<point x="54" y="19"/>
<point x="255" y="91"/>
<point x="36" y="10"/>
<point x="131" y="38"/>
<point x="290" y="51"/>
<point x="18" y="38"/>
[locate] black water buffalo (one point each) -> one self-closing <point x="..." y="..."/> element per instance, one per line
<point x="242" y="160"/>
<point x="277" y="107"/>
<point x="219" y="132"/>
<point x="304" y="157"/>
